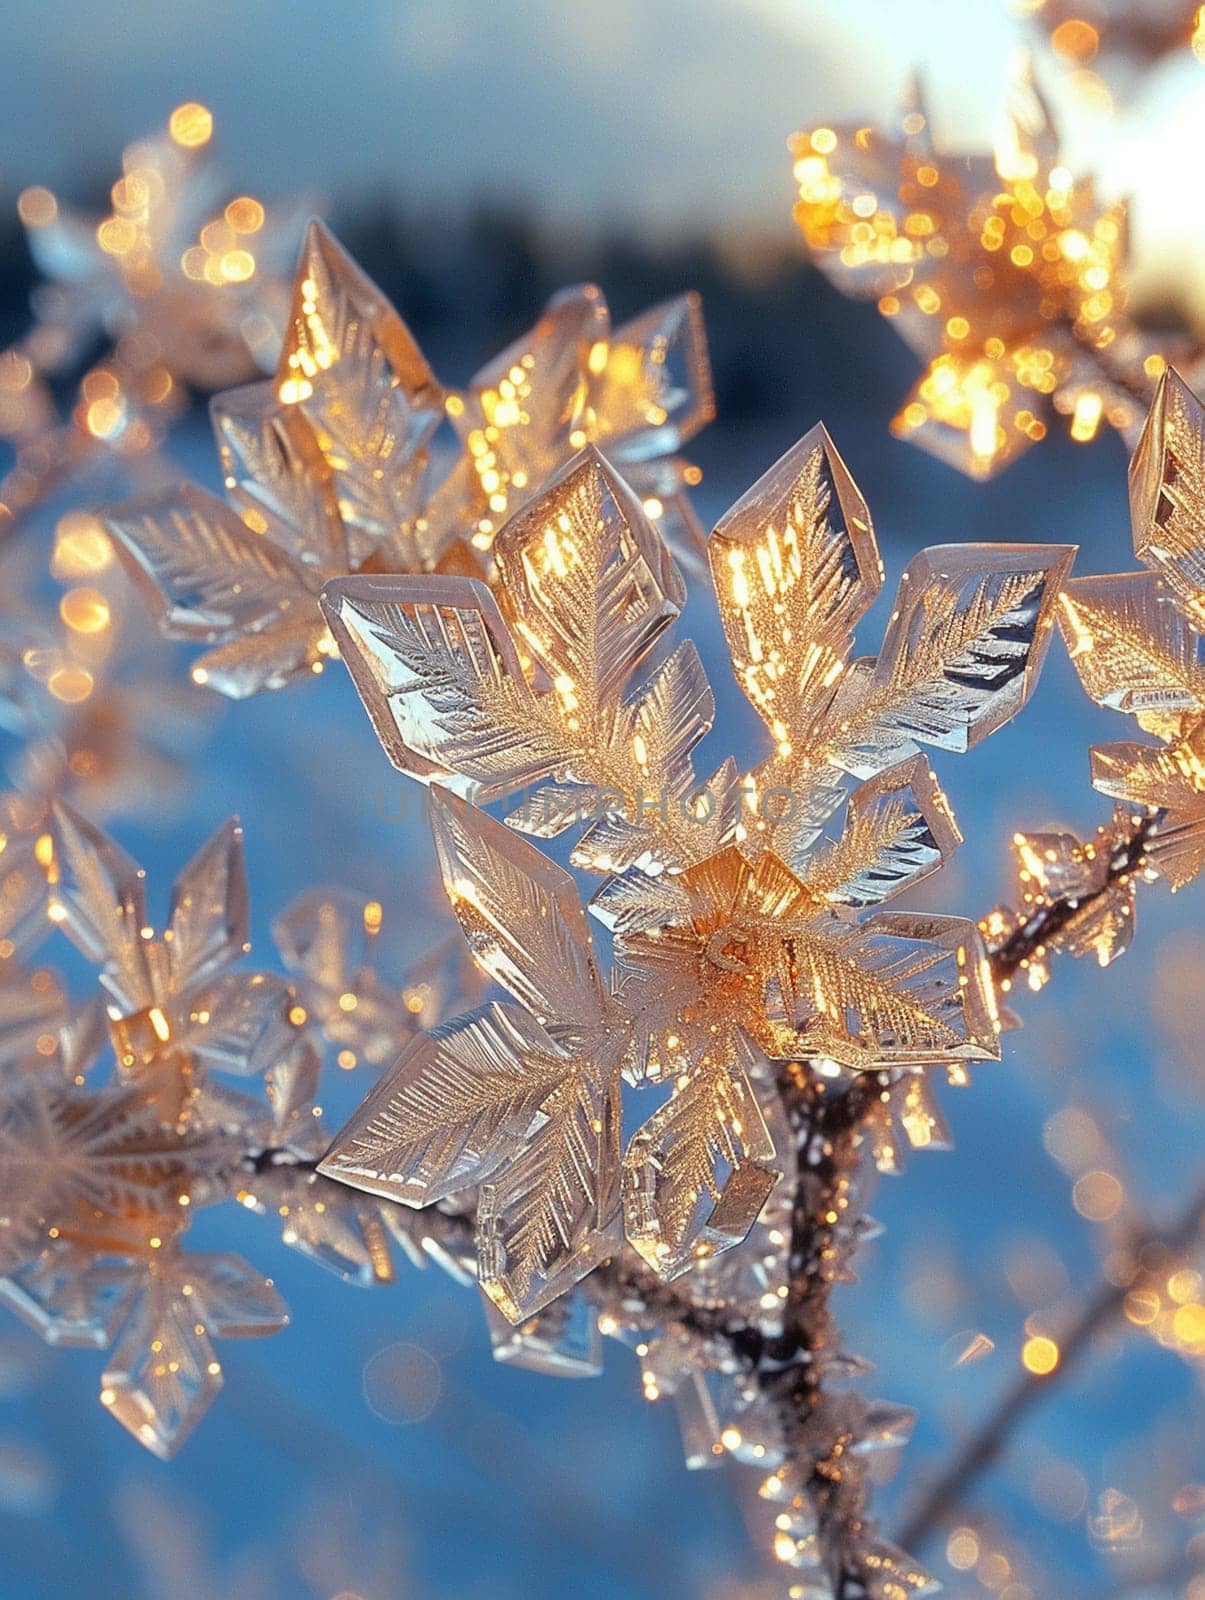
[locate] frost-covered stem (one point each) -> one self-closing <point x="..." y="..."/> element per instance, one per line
<point x="624" y="1274"/>
<point x="1039" y="930"/>
<point x="829" y="1121"/>
<point x="950" y="1491"/>
<point x="828" y="1128"/>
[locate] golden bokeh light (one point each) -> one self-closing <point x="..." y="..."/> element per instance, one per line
<point x="191" y="125"/>
<point x="37" y="207"/>
<point x="81" y="547"/>
<point x="1040" y="1355"/>
<point x="962" y="1549"/>
<point x="1002" y="272"/>
<point x="71" y="684"/>
<point x="85" y="610"/>
<point x="245" y="215"/>
<point x="1098" y="1196"/>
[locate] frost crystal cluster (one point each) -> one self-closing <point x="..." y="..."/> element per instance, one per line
<point x="337" y="465"/>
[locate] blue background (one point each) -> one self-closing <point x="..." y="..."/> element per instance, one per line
<point x="518" y="1485"/>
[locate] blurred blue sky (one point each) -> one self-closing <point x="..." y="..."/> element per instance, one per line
<point x="665" y="109"/>
<point x="669" y="115"/>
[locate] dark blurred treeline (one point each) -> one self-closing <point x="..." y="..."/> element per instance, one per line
<point x="783" y="342"/>
<point x="780" y="337"/>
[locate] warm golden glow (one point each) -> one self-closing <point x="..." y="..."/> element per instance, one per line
<point x="1000" y="266"/>
<point x="70" y="683"/>
<point x="236" y="266"/>
<point x="1076" y="39"/>
<point x="1086" y="418"/>
<point x="1040" y="1355"/>
<point x="191" y="125"/>
<point x="81" y="547"/>
<point x="85" y="610"/>
<point x="245" y="215"/>
<point x="962" y="1549"/>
